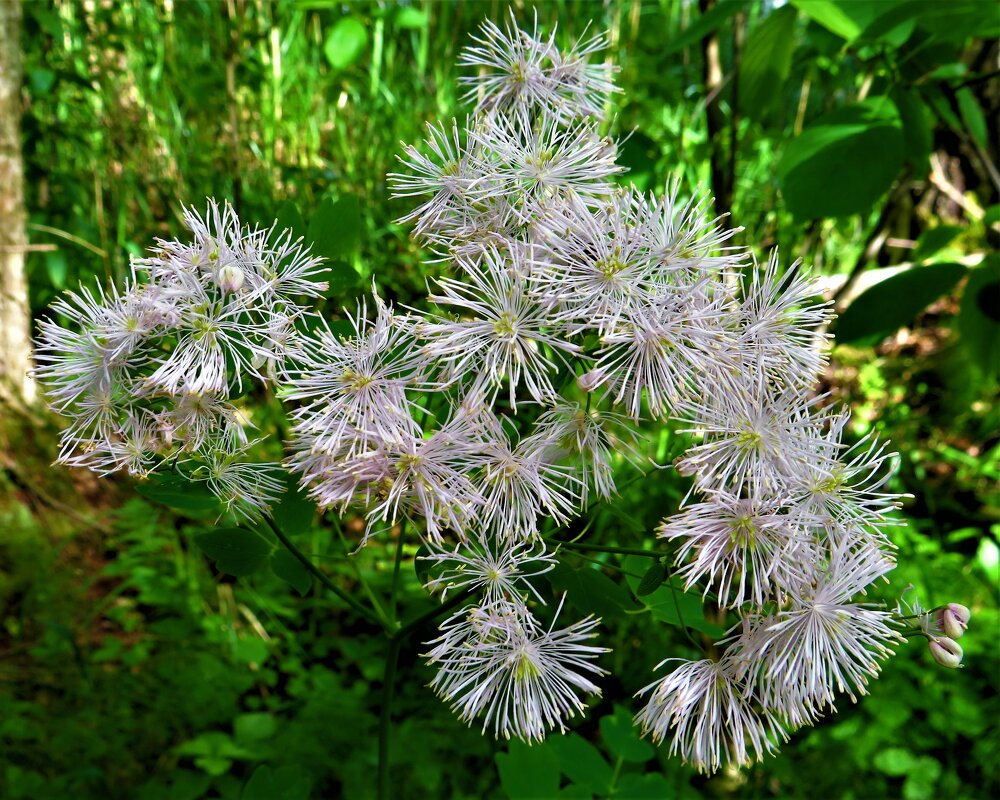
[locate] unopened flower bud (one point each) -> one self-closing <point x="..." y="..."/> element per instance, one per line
<point x="953" y="619"/>
<point x="230" y="278"/>
<point x="589" y="381"/>
<point x="947" y="652"/>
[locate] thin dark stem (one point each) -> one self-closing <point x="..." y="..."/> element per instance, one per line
<point x="319" y="575"/>
<point x="388" y="685"/>
<point x="385" y="715"/>
<point x="395" y="572"/>
<point x="599" y="548"/>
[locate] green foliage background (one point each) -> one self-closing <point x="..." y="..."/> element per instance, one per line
<point x="859" y="135"/>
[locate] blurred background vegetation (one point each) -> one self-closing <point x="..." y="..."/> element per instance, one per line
<point x="858" y="135"/>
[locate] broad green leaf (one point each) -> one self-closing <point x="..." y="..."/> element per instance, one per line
<point x="979" y="317"/>
<point x="704" y="25"/>
<point x="895" y="761"/>
<point x="590" y="590"/>
<point x="180" y="494"/>
<point x="345" y="42"/>
<point x="918" y="137"/>
<point x="57" y="268"/>
<point x="295" y="513"/>
<point x="410" y="18"/>
<point x="290" y="569"/>
<point x="972" y="116"/>
<point x="335" y="227"/>
<point x="767" y="60"/>
<point x="290" y="218"/>
<point x="581" y="762"/>
<point x="935" y="239"/>
<point x="951" y="20"/>
<point x="670" y="603"/>
<point x="235" y="551"/>
<point x="843" y="162"/>
<point x="281" y="783"/>
<point x="894" y="302"/>
<point x="648" y="787"/>
<point x="622" y="738"/>
<point x="528" y="772"/>
<point x="831" y="15"/>
<point x="652" y="579"/>
<point x="257" y="727"/>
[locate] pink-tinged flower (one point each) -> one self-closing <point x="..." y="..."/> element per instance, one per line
<point x="523" y="679"/>
<point x="532" y="160"/>
<point x="710" y="717"/>
<point x="781" y="324"/>
<point x="745" y="550"/>
<point x="822" y="642"/>
<point x="519" y="485"/>
<point x="589" y="441"/>
<point x="754" y="440"/>
<point x="656" y="355"/>
<point x="947" y="652"/>
<point x="516" y="69"/>
<point x="502" y="334"/>
<point x="953" y="620"/>
<point x="499" y="567"/>
<point x="445" y="174"/>
<point x="357" y="382"/>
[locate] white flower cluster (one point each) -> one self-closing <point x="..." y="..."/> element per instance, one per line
<point x="148" y="374"/>
<point x="572" y="310"/>
<point x="556" y="271"/>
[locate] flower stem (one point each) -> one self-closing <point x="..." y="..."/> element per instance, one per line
<point x="303" y="559"/>
<point x="600" y="548"/>
<point x="388" y="685"/>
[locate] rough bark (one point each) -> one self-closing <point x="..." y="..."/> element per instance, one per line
<point x="15" y="320"/>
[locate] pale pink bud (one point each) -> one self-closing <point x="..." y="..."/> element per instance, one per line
<point x="947" y="652"/>
<point x="953" y="619"/>
<point x="230" y="278"/>
<point x="589" y="381"/>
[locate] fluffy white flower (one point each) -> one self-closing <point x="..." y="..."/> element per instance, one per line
<point x="522" y="678"/>
<point x="709" y="716"/>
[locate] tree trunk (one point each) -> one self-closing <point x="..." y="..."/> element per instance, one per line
<point x="15" y="319"/>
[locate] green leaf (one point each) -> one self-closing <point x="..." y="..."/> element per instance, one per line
<point x="345" y="43"/>
<point x="767" y="61"/>
<point x="894" y="302"/>
<point x="918" y="137"/>
<point x="179" y="494"/>
<point x="704" y="25"/>
<point x="954" y="20"/>
<point x="895" y="761"/>
<point x="652" y="579"/>
<point x="647" y="787"/>
<point x="528" y="772"/>
<point x="843" y="162"/>
<point x="250" y="728"/>
<point x="590" y="590"/>
<point x="290" y="219"/>
<point x="295" y="514"/>
<point x="664" y="603"/>
<point x="57" y="268"/>
<point x="581" y="762"/>
<point x="410" y="18"/>
<point x="622" y="738"/>
<point x="335" y="227"/>
<point x="283" y="783"/>
<point x="290" y="569"/>
<point x="935" y="239"/>
<point x="830" y="15"/>
<point x="979" y="317"/>
<point x="972" y="116"/>
<point x="235" y="551"/>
